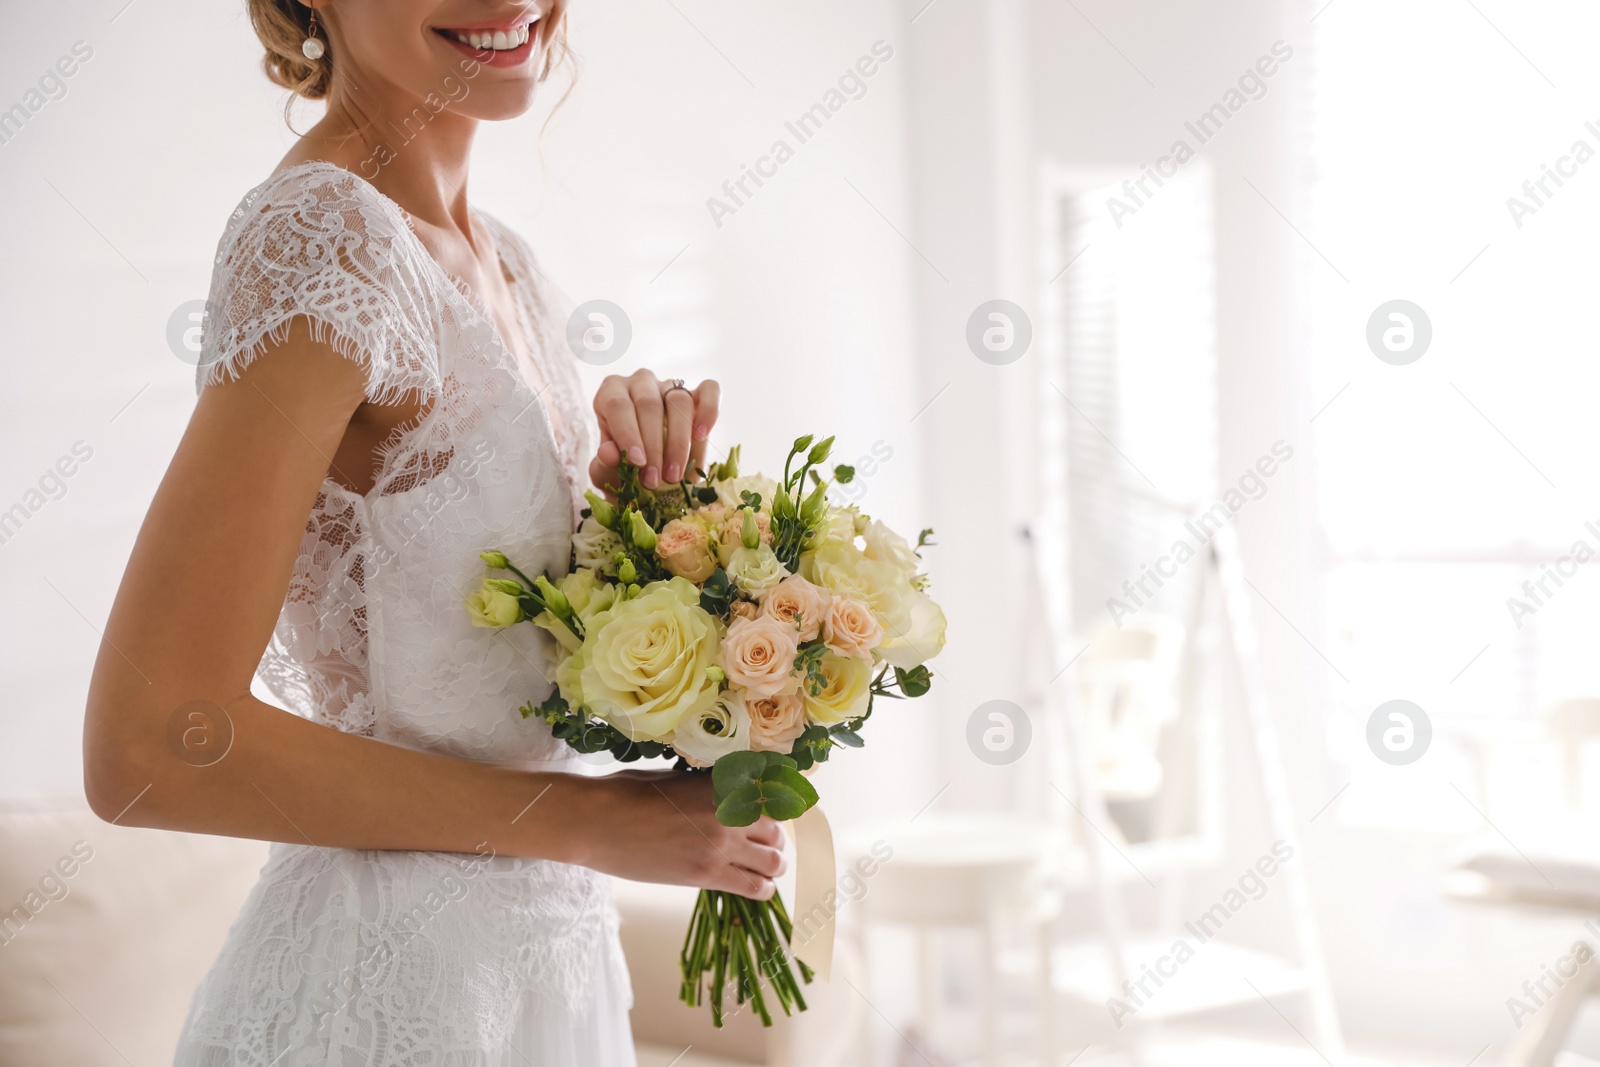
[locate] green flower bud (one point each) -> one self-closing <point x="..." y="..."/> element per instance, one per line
<point x="604" y="512"/>
<point x="716" y="673"/>
<point x="627" y="573"/>
<point x="815" y="505"/>
<point x="782" y="505"/>
<point x="634" y="590"/>
<point x="801" y="443"/>
<point x="495" y="559"/>
<point x="820" y="451"/>
<point x="504" y="585"/>
<point x="640" y="533"/>
<point x="749" y="533"/>
<point x="554" y="599"/>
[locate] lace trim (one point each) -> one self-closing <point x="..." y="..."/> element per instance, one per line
<point x="317" y="243"/>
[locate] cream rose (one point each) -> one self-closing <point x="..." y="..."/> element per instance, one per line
<point x="755" y="570"/>
<point x="642" y="666"/>
<point x="684" y="547"/>
<point x="723" y="727"/>
<point x="838" y="527"/>
<point x="852" y="628"/>
<point x="922" y="636"/>
<point x="595" y="546"/>
<point x="758" y="654"/>
<point x="886" y="546"/>
<point x="846" y="571"/>
<point x="801" y="604"/>
<point x="846" y="688"/>
<point x="730" y="490"/>
<point x="776" y="722"/>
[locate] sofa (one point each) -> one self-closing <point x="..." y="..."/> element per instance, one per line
<point x="106" y="930"/>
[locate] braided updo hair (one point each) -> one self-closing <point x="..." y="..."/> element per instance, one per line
<point x="284" y="25"/>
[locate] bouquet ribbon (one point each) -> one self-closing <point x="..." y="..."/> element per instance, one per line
<point x="815" y="890"/>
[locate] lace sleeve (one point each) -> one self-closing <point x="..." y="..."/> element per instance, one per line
<point x="317" y="242"/>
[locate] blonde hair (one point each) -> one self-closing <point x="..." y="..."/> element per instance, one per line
<point x="284" y="25"/>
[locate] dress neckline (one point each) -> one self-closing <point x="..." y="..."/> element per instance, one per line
<point x="396" y="440"/>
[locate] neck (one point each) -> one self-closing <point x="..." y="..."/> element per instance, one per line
<point x="416" y="156"/>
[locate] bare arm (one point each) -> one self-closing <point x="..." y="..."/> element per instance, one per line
<point x="196" y="607"/>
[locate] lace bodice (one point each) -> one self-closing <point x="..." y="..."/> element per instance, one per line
<point x="401" y="959"/>
<point x="372" y="637"/>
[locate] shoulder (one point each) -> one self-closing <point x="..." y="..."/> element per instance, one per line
<point x="317" y="242"/>
<point x="320" y="203"/>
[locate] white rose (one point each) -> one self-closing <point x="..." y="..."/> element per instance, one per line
<point x="921" y="638"/>
<point x="729" y="490"/>
<point x="724" y="727"/>
<point x="886" y="546"/>
<point x="755" y="570"/>
<point x="594" y="546"/>
<point x="837" y="528"/>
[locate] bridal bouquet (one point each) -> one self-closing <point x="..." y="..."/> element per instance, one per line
<point x="743" y="625"/>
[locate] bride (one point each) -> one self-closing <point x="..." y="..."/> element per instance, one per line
<point x="385" y="389"/>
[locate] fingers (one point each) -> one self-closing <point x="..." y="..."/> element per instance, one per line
<point x="614" y="406"/>
<point x="664" y="435"/>
<point x="767" y="831"/>
<point x="603" y="476"/>
<point x="707" y="396"/>
<point x="746" y="884"/>
<point x="648" y="412"/>
<point x="680" y="414"/>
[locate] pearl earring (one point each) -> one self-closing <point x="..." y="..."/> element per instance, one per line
<point x="312" y="47"/>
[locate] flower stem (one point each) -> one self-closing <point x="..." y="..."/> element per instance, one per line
<point x="733" y="938"/>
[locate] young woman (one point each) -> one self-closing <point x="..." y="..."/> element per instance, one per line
<point x="385" y="390"/>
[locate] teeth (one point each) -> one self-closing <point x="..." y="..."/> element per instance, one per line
<point x="498" y="41"/>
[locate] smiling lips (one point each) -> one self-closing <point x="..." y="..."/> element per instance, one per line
<point x="495" y="46"/>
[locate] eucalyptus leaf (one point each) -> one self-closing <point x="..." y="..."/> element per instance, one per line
<point x="735" y="770"/>
<point x="742" y="806"/>
<point x="792" y="779"/>
<point x="914" y="682"/>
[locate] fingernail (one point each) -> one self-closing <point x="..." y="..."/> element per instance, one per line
<point x="652" y="477"/>
<point x="636" y="456"/>
<point x="701" y="431"/>
<point x="674" y="472"/>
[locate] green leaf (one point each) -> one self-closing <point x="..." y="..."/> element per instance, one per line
<point x="781" y="802"/>
<point x="735" y="770"/>
<point x="915" y="682"/>
<point x="844" y="474"/>
<point x="705" y="494"/>
<point x="742" y="806"/>
<point x="846" y="736"/>
<point x="791" y="779"/>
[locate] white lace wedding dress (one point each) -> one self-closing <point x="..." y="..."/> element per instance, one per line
<point x="411" y="959"/>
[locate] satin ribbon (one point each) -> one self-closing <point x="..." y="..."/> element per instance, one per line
<point x="816" y="896"/>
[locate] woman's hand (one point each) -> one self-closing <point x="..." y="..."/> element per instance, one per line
<point x="662" y="429"/>
<point x="660" y="826"/>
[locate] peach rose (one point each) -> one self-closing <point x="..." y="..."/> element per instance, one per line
<point x="798" y="603"/>
<point x="730" y="532"/>
<point x="853" y="630"/>
<point x="758" y="654"/>
<point x="744" y="609"/>
<point x="685" y="550"/>
<point x="776" y="721"/>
